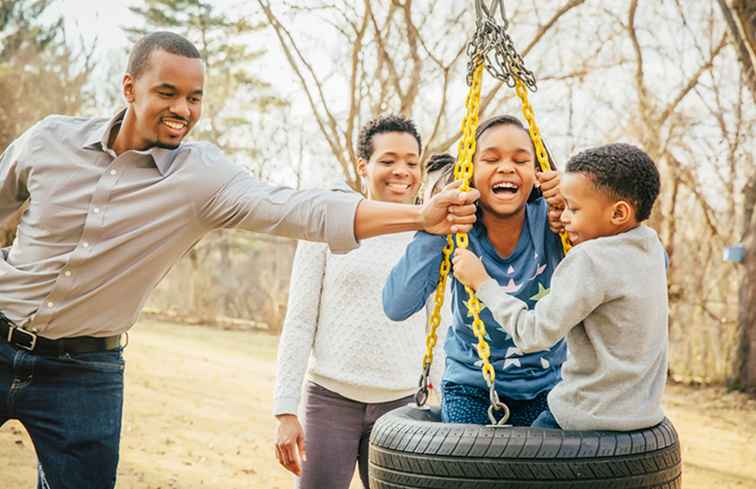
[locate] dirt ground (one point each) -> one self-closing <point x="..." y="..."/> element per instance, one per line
<point x="197" y="415"/>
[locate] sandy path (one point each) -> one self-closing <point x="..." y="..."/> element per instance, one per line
<point x="197" y="415"/>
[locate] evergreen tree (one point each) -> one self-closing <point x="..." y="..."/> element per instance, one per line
<point x="235" y="99"/>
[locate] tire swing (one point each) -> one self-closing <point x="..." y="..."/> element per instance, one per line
<point x="411" y="448"/>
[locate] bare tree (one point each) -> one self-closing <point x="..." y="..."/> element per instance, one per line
<point x="740" y="17"/>
<point x="35" y="58"/>
<point x="396" y="52"/>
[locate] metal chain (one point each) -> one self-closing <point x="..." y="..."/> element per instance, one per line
<point x="541" y="154"/>
<point x="463" y="171"/>
<point x="492" y="46"/>
<point x="421" y="396"/>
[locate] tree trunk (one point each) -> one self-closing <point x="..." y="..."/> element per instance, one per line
<point x="747" y="313"/>
<point x="740" y="16"/>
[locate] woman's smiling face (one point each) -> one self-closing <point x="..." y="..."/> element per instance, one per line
<point x="504" y="169"/>
<point x="393" y="173"/>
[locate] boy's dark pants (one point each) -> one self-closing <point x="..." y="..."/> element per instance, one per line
<point x="71" y="406"/>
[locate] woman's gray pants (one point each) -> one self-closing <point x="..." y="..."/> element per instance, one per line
<point x="337" y="434"/>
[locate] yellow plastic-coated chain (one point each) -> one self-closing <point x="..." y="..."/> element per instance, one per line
<point x="535" y="135"/>
<point x="438" y="302"/>
<point x="463" y="171"/>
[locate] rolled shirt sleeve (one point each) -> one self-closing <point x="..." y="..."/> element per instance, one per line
<point x="244" y="202"/>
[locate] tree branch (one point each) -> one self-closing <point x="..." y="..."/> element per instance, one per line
<point x="488" y="98"/>
<point x="692" y="82"/>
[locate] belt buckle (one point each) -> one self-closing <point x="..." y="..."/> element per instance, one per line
<point x="32" y="338"/>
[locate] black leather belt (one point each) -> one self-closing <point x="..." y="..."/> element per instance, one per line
<point x="26" y="340"/>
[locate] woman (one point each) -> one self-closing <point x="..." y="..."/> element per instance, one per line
<point x="362" y="365"/>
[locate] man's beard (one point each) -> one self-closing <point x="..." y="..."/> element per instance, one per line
<point x="162" y="145"/>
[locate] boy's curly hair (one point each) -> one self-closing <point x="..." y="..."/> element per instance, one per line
<point x="385" y="123"/>
<point x="623" y="170"/>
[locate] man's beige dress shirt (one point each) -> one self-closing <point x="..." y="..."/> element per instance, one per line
<point x="102" y="230"/>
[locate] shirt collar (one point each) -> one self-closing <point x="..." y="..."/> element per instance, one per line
<point x="99" y="136"/>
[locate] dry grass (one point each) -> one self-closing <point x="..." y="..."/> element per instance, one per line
<point x="197" y="415"/>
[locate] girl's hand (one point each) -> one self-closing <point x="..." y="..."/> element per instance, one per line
<point x="290" y="450"/>
<point x="549" y="181"/>
<point x="468" y="268"/>
<point x="555" y="220"/>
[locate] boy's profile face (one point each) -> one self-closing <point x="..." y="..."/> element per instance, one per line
<point x="590" y="212"/>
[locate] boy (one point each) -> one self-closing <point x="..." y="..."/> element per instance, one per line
<point x="608" y="297"/>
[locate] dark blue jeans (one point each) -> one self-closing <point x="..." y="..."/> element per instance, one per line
<point x="71" y="406"/>
<point x="546" y="420"/>
<point x="469" y="404"/>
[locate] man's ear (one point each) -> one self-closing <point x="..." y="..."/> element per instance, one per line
<point x="362" y="167"/>
<point x="127" y="87"/>
<point x="622" y="212"/>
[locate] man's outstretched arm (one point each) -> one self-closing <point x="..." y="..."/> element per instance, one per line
<point x="449" y="211"/>
<point x="231" y="197"/>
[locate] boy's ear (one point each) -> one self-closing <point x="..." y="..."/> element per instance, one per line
<point x="622" y="212"/>
<point x="362" y="167"/>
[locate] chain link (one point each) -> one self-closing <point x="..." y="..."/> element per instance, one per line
<point x="490" y="48"/>
<point x="541" y="154"/>
<point x="421" y="396"/>
<point x="463" y="170"/>
<point x="493" y="47"/>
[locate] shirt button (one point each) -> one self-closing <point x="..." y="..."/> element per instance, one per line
<point x="96" y="210"/>
<point x="67" y="273"/>
<point x="50" y="304"/>
<point x="112" y="172"/>
<point x="85" y="244"/>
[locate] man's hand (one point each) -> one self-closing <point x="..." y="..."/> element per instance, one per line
<point x="290" y="450"/>
<point x="450" y="211"/>
<point x="549" y="181"/>
<point x="468" y="268"/>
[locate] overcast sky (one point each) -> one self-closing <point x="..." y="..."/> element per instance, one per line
<point x="103" y="22"/>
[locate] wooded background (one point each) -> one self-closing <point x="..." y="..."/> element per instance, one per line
<point x="290" y="83"/>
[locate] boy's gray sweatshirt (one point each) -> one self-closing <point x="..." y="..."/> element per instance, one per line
<point x="609" y="298"/>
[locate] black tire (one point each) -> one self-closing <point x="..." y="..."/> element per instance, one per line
<point x="410" y="448"/>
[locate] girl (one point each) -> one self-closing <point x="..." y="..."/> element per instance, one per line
<point x="513" y="239"/>
<point x="361" y="364"/>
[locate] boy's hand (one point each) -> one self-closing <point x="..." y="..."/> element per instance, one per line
<point x="549" y="181"/>
<point x="468" y="268"/>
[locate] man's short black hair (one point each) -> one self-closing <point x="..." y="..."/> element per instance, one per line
<point x="623" y="170"/>
<point x="139" y="59"/>
<point x="385" y="123"/>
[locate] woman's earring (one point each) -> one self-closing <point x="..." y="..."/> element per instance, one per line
<point x="363" y="186"/>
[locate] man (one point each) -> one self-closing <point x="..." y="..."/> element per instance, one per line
<point x="113" y="204"/>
